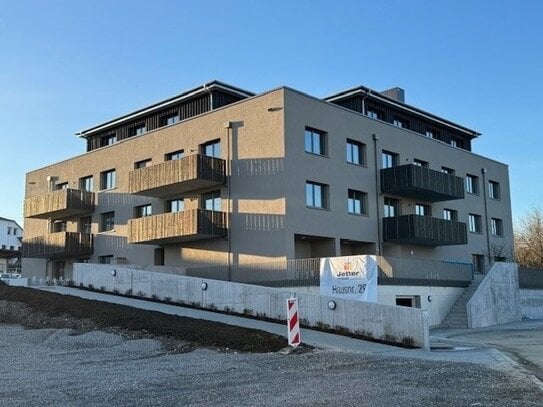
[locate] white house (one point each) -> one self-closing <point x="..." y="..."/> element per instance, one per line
<point x="10" y="245"/>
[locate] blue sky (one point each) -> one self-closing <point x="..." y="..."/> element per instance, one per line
<point x="66" y="65"/>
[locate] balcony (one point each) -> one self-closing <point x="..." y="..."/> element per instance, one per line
<point x="177" y="176"/>
<point x="59" y="245"/>
<point x="421" y="183"/>
<point x="195" y="224"/>
<point x="424" y="230"/>
<point x="61" y="204"/>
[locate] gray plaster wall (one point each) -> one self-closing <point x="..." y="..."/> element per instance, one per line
<point x="532" y="304"/>
<point x="497" y="300"/>
<point x="392" y="323"/>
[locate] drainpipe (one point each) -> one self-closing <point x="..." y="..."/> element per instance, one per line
<point x="489" y="255"/>
<point x="377" y="188"/>
<point x="206" y="88"/>
<point x="228" y="127"/>
<point x="363" y="100"/>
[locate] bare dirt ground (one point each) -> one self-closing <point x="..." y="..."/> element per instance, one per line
<point x="107" y="355"/>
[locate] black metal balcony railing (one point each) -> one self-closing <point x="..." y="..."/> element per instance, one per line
<point x="60" y="204"/>
<point x="59" y="245"/>
<point x="177" y="227"/>
<point x="173" y="177"/>
<point x="424" y="230"/>
<point x="421" y="183"/>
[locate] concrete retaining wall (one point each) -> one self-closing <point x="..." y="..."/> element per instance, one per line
<point x="395" y="324"/>
<point x="497" y="299"/>
<point x="532" y="304"/>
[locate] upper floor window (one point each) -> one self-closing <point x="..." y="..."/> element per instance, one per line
<point x="404" y="124"/>
<point x="450" y="214"/>
<point x="169" y="119"/>
<point x="356" y="152"/>
<point x="391" y="208"/>
<point x="9" y="230"/>
<point x="86" y="184"/>
<point x="142" y="164"/>
<point x="15" y="230"/>
<point x="374" y="114"/>
<point x="390" y="159"/>
<point x="431" y="133"/>
<point x="421" y="163"/>
<point x="472" y="184"/>
<point x="422" y="210"/>
<point x="107" y="221"/>
<point x="315" y="141"/>
<point x="356" y="202"/>
<point x="62" y="185"/>
<point x="212" y="201"/>
<point x="143" y="211"/>
<point x="447" y="170"/>
<point x="494" y="190"/>
<point x="175" y="205"/>
<point x="496" y="226"/>
<point x="58" y="226"/>
<point x="212" y="149"/>
<point x="175" y="155"/>
<point x="108" y="179"/>
<point x="474" y="223"/>
<point x="137" y="130"/>
<point x="316" y="195"/>
<point x="455" y="142"/>
<point x="108" y="140"/>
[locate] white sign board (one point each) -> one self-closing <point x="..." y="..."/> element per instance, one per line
<point x="349" y="277"/>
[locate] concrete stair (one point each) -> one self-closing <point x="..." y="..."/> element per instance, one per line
<point x="457" y="316"/>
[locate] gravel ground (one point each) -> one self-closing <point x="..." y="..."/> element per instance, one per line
<point x="61" y="367"/>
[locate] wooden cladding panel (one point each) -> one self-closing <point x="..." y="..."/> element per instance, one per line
<point x="175" y="227"/>
<point x="58" y="245"/>
<point x="59" y="204"/>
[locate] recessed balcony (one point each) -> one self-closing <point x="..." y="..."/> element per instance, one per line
<point x="60" y="204"/>
<point x="59" y="245"/>
<point x="177" y="176"/>
<point x="185" y="226"/>
<point x="424" y="230"/>
<point x="419" y="182"/>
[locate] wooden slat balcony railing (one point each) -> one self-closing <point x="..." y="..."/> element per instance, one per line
<point x="59" y="245"/>
<point x="421" y="183"/>
<point x="424" y="230"/>
<point x="61" y="204"/>
<point x="177" y="176"/>
<point x="177" y="227"/>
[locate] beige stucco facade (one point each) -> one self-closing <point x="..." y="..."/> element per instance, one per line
<point x="263" y="197"/>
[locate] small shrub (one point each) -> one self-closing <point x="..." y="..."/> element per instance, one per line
<point x="322" y="325"/>
<point x="408" y="341"/>
<point x="248" y="311"/>
<point x="389" y="338"/>
<point x="81" y="285"/>
<point x="211" y="306"/>
<point x="90" y="286"/>
<point x="168" y="299"/>
<point x="115" y="291"/>
<point x="70" y="283"/>
<point x="227" y="309"/>
<point x="155" y="297"/>
<point x="128" y="292"/>
<point x="102" y="288"/>
<point x="341" y="330"/>
<point x="140" y="294"/>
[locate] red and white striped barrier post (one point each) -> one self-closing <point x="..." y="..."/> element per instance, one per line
<point x="293" y="322"/>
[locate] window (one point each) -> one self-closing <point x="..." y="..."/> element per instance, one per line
<point x="108" y="140"/>
<point x="58" y="226"/>
<point x="391" y="208"/>
<point x="108" y="180"/>
<point x="402" y="123"/>
<point x="175" y="155"/>
<point x="315" y="141"/>
<point x="474" y="223"/>
<point x="143" y="211"/>
<point x="211" y="149"/>
<point x="85" y="225"/>
<point x="107" y="222"/>
<point x="374" y="114"/>
<point x="356" y="202"/>
<point x="494" y="190"/>
<point x="316" y="195"/>
<point x="85" y="260"/>
<point x="212" y="201"/>
<point x="422" y="210"/>
<point x="430" y="133"/>
<point x="137" y="130"/>
<point x="496" y="225"/>
<point x="478" y="263"/>
<point x="105" y="259"/>
<point x="86" y="184"/>
<point x="456" y="142"/>
<point x="472" y="184"/>
<point x="390" y="159"/>
<point x="142" y="164"/>
<point x="356" y="152"/>
<point x="447" y="170"/>
<point x="421" y="163"/>
<point x="450" y="214"/>
<point x="15" y="230"/>
<point x="61" y="185"/>
<point x="175" y="205"/>
<point x="9" y="230"/>
<point x="169" y="119"/>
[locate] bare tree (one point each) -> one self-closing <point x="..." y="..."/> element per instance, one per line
<point x="529" y="239"/>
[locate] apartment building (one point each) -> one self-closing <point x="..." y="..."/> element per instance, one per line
<point x="219" y="175"/>
<point x="10" y="245"/>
